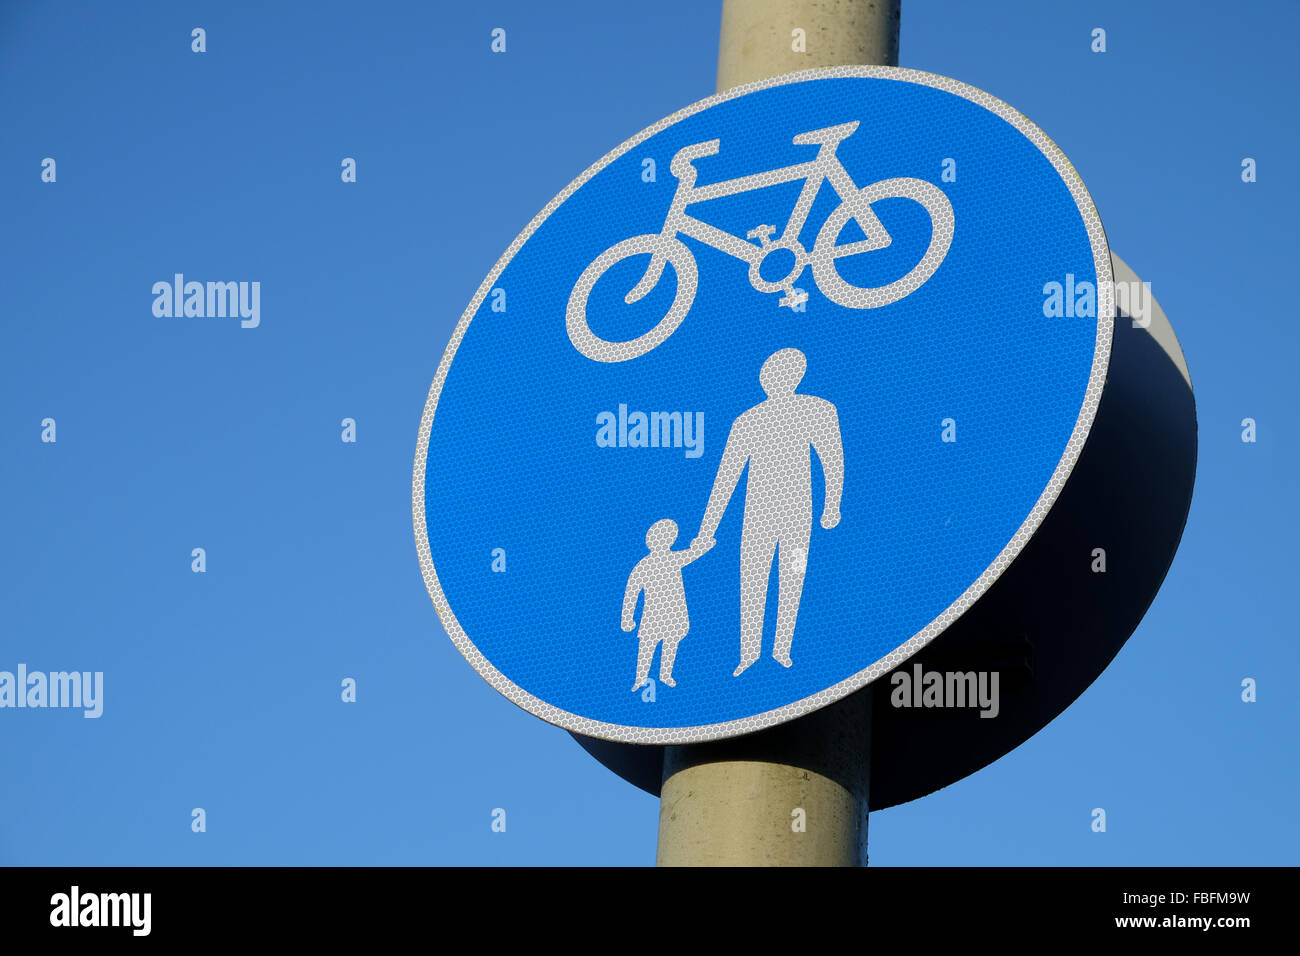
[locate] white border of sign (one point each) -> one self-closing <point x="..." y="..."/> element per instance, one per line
<point x="731" y="728"/>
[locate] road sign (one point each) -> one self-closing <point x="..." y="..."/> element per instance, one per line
<point x="761" y="403"/>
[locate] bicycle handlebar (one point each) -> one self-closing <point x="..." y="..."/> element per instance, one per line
<point x="688" y="154"/>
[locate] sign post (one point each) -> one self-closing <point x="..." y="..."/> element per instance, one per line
<point x="787" y="391"/>
<point x="797" y="794"/>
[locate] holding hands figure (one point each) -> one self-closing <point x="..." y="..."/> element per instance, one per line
<point x="663" y="617"/>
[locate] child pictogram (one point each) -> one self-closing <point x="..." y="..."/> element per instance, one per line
<point x="663" y="618"/>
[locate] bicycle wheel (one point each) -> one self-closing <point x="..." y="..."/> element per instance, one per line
<point x="662" y="249"/>
<point x="825" y="250"/>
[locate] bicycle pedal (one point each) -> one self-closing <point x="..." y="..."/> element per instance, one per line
<point x="763" y="234"/>
<point x="798" y="297"/>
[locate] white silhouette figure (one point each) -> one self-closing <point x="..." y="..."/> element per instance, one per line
<point x="663" y="618"/>
<point x="774" y="438"/>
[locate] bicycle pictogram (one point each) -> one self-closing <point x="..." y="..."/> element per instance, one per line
<point x="855" y="203"/>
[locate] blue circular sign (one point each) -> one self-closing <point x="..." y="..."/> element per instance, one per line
<point x="761" y="403"/>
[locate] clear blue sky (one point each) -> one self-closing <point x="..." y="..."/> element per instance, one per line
<point x="222" y="689"/>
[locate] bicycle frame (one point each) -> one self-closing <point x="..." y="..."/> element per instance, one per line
<point x="825" y="166"/>
<point x="664" y="246"/>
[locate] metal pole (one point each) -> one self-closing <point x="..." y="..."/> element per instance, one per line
<point x="797" y="794"/>
<point x="759" y="37"/>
